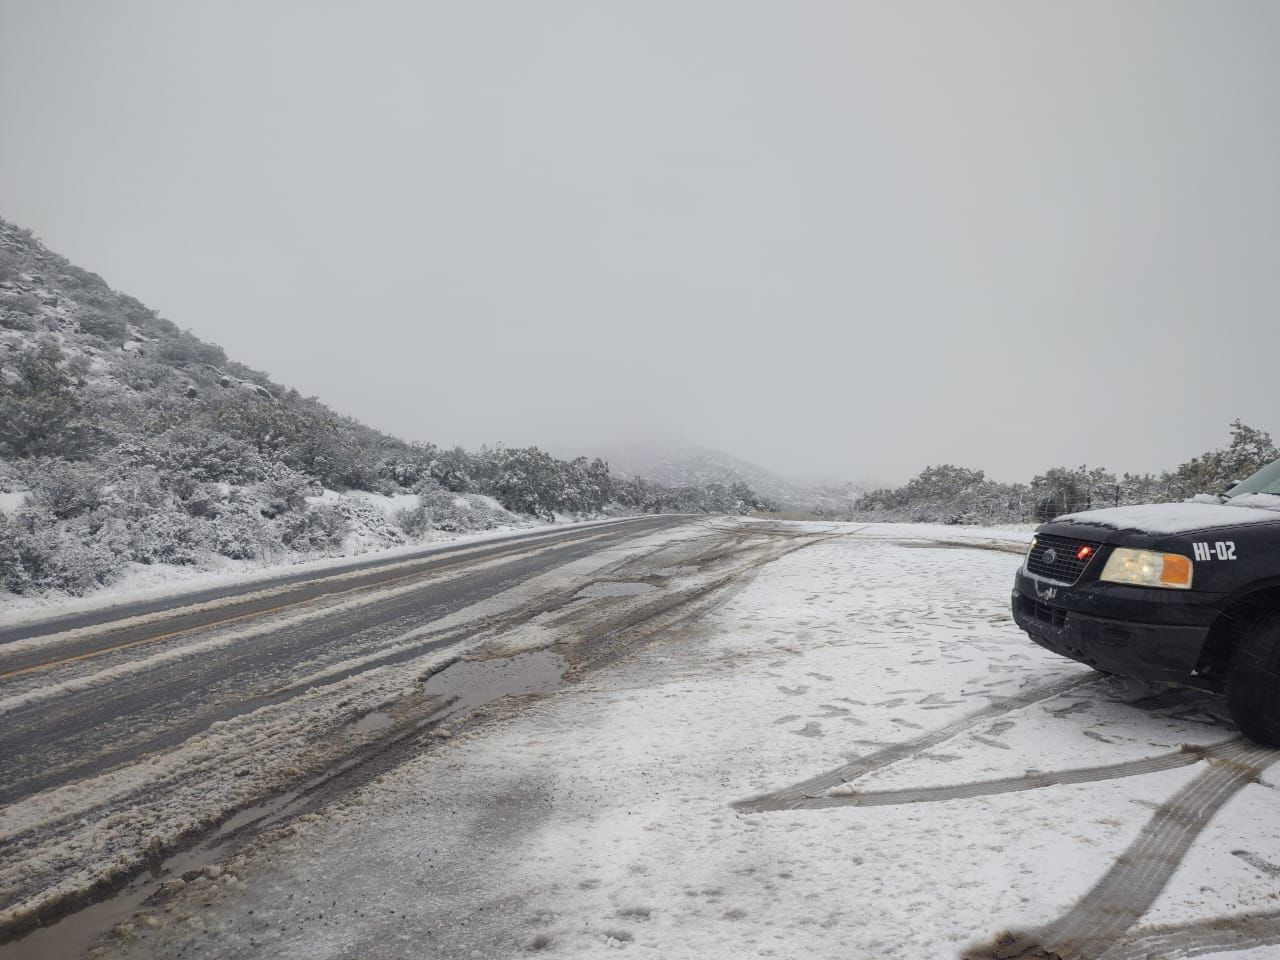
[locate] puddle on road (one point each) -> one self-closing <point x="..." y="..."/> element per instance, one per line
<point x="372" y="722"/>
<point x="473" y="683"/>
<point x="462" y="686"/>
<point x="607" y="588"/>
<point x="73" y="935"/>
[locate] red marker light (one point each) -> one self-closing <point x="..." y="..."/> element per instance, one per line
<point x="1084" y="553"/>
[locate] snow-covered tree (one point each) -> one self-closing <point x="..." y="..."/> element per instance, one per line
<point x="1248" y="451"/>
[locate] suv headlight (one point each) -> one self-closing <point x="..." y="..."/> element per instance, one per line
<point x="1147" y="568"/>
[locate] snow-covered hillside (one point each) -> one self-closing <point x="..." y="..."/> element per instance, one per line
<point x="126" y="441"/>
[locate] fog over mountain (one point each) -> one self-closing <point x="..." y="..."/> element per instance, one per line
<point x="680" y="465"/>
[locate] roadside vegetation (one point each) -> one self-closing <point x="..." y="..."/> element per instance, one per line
<point x="954" y="494"/>
<point x="127" y="440"/>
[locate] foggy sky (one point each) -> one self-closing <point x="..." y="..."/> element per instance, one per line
<point x="845" y="240"/>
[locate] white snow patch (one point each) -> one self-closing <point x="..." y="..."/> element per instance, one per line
<point x="391" y="504"/>
<point x="1182" y="517"/>
<point x="11" y="503"/>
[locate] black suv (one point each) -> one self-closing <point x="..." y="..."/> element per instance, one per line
<point x="1184" y="593"/>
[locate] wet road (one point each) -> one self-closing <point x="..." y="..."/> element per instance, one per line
<point x="61" y="722"/>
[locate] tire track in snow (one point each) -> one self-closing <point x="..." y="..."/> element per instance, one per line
<point x="1127" y="890"/>
<point x="803" y="795"/>
<point x="1220" y="935"/>
<point x="1032" y="781"/>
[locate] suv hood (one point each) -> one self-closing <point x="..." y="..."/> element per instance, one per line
<point x="1167" y="518"/>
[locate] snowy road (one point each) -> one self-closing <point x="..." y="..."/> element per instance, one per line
<point x="62" y="722"/>
<point x="736" y="739"/>
<point x="856" y="754"/>
<point x="126" y="736"/>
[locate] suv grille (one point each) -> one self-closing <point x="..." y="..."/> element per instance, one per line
<point x="1060" y="558"/>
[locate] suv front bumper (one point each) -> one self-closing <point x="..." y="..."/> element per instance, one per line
<point x="1163" y="645"/>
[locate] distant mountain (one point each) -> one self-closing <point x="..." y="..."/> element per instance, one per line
<point x="698" y="466"/>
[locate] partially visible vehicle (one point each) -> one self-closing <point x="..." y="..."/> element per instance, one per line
<point x="1185" y="593"/>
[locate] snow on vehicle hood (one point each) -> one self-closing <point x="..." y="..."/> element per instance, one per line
<point x="1182" y="517"/>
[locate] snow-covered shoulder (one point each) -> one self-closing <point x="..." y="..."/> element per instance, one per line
<point x="1183" y="517"/>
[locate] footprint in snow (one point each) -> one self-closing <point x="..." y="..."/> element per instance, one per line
<point x="1255" y="861"/>
<point x="938" y="699"/>
<point x="810" y="729"/>
<point x="794" y="691"/>
<point x="1068" y="710"/>
<point x="987" y="741"/>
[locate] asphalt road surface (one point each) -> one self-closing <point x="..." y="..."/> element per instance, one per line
<point x="57" y="740"/>
<point x="133" y="735"/>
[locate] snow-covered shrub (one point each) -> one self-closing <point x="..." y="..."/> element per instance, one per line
<point x="945" y="493"/>
<point x="481" y="514"/>
<point x="367" y="524"/>
<point x="321" y="527"/>
<point x="208" y="455"/>
<point x="202" y="500"/>
<point x="104" y="324"/>
<point x="142" y="373"/>
<point x="240" y="533"/>
<point x="136" y="493"/>
<point x="283" y="489"/>
<point x="14" y="319"/>
<point x="65" y="489"/>
<point x="42" y="413"/>
<point x="24" y="303"/>
<point x="35" y="556"/>
<point x="436" y="510"/>
<point x="452" y="470"/>
<point x="441" y="509"/>
<point x="167" y="537"/>
<point x="415" y="521"/>
<point x="81" y="568"/>
<point x="10" y="266"/>
<point x="183" y="347"/>
<point x="22" y="552"/>
<point x="405" y="470"/>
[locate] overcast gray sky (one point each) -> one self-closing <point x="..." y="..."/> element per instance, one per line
<point x="844" y="240"/>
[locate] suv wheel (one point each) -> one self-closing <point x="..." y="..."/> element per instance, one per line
<point x="1253" y="680"/>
